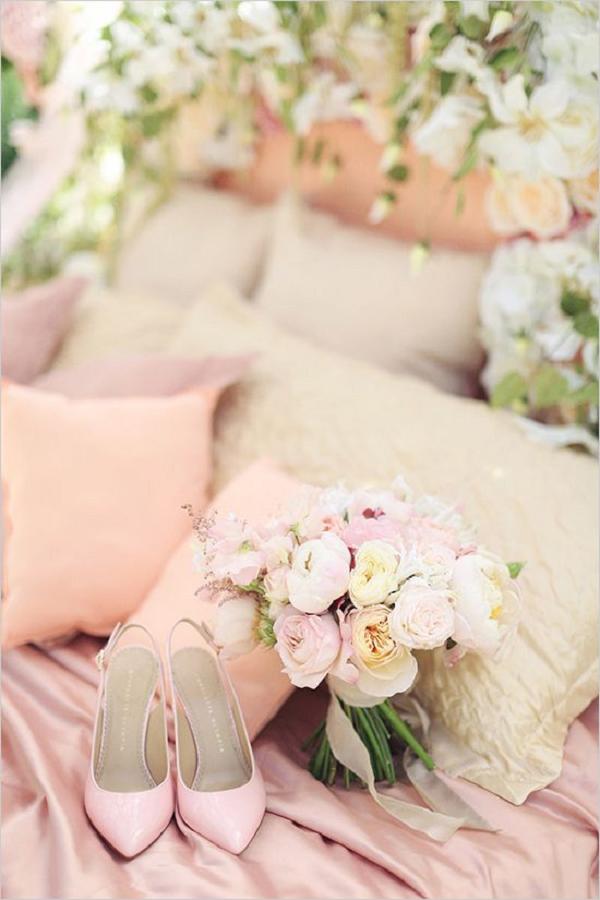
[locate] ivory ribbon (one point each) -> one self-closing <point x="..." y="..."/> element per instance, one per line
<point x="450" y="812"/>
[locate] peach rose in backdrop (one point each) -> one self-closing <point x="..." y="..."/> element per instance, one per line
<point x="539" y="207"/>
<point x="385" y="667"/>
<point x="319" y="574"/>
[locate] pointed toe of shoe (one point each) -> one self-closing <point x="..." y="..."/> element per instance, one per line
<point x="229" y="819"/>
<point x="129" y="822"/>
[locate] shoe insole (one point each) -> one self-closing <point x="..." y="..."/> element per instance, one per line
<point x="210" y="753"/>
<point x="121" y="755"/>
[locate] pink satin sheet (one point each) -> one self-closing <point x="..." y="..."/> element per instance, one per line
<point x="314" y="842"/>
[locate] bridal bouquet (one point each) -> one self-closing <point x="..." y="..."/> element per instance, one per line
<point x="351" y="587"/>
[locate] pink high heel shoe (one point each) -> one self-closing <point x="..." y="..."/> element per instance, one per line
<point x="220" y="791"/>
<point x="129" y="793"/>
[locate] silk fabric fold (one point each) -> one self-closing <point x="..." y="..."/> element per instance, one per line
<point x="315" y="842"/>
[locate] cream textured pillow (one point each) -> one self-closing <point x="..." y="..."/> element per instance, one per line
<point x="198" y="235"/>
<point x="106" y="323"/>
<point x="324" y="417"/>
<point x="354" y="292"/>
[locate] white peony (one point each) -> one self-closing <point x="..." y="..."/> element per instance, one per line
<point x="375" y="575"/>
<point x="486" y="603"/>
<point x="319" y="574"/>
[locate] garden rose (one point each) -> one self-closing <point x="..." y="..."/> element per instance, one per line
<point x="423" y="618"/>
<point x="375" y="575"/>
<point x="319" y="574"/>
<point x="308" y="646"/>
<point x="385" y="667"/>
<point x="486" y="603"/>
<point x="235" y="626"/>
<point x="540" y="207"/>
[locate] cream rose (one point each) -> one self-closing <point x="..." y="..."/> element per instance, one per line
<point x="235" y="626"/>
<point x="319" y="574"/>
<point x="385" y="667"/>
<point x="540" y="207"/>
<point x="486" y="603"/>
<point x="375" y="575"/>
<point x="422" y="618"/>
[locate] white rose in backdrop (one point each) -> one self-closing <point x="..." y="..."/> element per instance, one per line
<point x="445" y="134"/>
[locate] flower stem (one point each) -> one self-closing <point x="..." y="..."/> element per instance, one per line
<point x="402" y="730"/>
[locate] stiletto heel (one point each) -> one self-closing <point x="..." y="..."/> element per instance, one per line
<point x="128" y="793"/>
<point x="220" y="791"/>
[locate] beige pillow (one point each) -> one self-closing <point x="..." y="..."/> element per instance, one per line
<point x="354" y="292"/>
<point x="198" y="235"/>
<point x="324" y="417"/>
<point x="108" y="322"/>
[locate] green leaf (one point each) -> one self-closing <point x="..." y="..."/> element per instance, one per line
<point x="514" y="568"/>
<point x="266" y="635"/>
<point x="509" y="390"/>
<point x="572" y="304"/>
<point x="473" y="27"/>
<point x="586" y="394"/>
<point x="550" y="387"/>
<point x="504" y="58"/>
<point x="586" y="323"/>
<point x="468" y="163"/>
<point x="460" y="201"/>
<point x="398" y="173"/>
<point x="447" y="79"/>
<point x="317" y="154"/>
<point x="440" y="36"/>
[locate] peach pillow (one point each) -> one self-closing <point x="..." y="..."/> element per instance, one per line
<point x="262" y="687"/>
<point x="93" y="491"/>
<point x="34" y="323"/>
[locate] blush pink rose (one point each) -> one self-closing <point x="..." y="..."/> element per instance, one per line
<point x="308" y="645"/>
<point x="422" y="618"/>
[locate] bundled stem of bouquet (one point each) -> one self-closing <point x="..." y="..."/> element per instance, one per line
<point x="381" y="730"/>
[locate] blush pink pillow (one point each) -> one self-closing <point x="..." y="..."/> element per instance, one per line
<point x="34" y="324"/>
<point x="143" y="376"/>
<point x="262" y="687"/>
<point x="93" y="491"/>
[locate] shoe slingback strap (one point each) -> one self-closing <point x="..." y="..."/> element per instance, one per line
<point x="103" y="656"/>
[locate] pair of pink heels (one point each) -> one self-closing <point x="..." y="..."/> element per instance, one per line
<point x="129" y="794"/>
